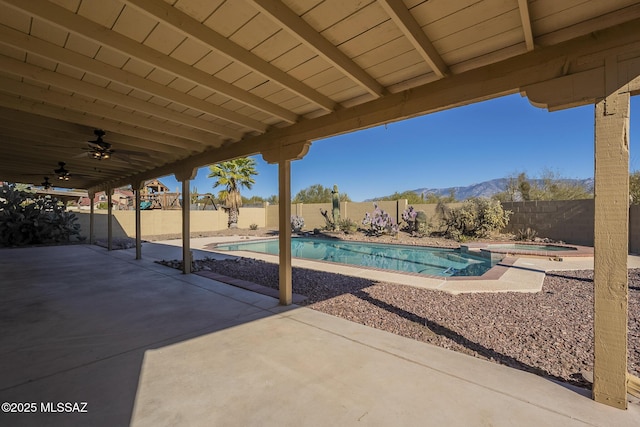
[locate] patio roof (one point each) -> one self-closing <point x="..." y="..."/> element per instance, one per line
<point x="181" y="84"/>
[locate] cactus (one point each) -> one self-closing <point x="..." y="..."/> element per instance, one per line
<point x="335" y="199"/>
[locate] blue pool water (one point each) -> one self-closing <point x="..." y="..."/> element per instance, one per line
<point x="411" y="259"/>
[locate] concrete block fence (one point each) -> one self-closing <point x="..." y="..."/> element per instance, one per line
<point x="568" y="220"/>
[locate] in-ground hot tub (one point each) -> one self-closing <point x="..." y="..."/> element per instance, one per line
<point x="495" y="251"/>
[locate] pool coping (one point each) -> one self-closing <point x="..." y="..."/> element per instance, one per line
<point x="511" y="274"/>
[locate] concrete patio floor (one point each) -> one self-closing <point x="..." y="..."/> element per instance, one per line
<point x="144" y="345"/>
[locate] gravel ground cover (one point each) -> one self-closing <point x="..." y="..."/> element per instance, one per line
<point x="549" y="333"/>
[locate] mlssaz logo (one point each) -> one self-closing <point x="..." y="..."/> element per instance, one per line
<point x="66" y="407"/>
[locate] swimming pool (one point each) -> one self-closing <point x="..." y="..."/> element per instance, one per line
<point x="408" y="259"/>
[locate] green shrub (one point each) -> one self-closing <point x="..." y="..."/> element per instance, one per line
<point x="253" y="227"/>
<point x="477" y="217"/>
<point x="347" y="226"/>
<point x="26" y="219"/>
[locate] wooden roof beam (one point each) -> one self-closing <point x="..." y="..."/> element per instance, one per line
<point x="90" y="30"/>
<point x="147" y="139"/>
<point x="83" y="63"/>
<point x="414" y="33"/>
<point x="523" y="7"/>
<point x="194" y="29"/>
<point x="52" y="78"/>
<point x="198" y="140"/>
<point x="61" y="140"/>
<point x="304" y="32"/>
<point x="15" y="143"/>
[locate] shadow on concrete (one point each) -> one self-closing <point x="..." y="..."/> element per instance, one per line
<point x="76" y="325"/>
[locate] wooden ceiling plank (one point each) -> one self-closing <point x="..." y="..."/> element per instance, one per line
<point x="475" y="35"/>
<point x="589" y="26"/>
<point x="416" y="35"/>
<point x="300" y="29"/>
<point x="192" y="28"/>
<point x="200" y="139"/>
<point x="71" y="147"/>
<point x="523" y="6"/>
<point x="102" y="70"/>
<point x="143" y="137"/>
<point x="487" y="50"/>
<point x="72" y="139"/>
<point x="17" y="140"/>
<point x="454" y="30"/>
<point x="47" y="159"/>
<point x="88" y="29"/>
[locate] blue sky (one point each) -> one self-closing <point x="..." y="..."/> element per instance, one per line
<point x="457" y="147"/>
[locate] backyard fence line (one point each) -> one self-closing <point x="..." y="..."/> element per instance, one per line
<point x="569" y="221"/>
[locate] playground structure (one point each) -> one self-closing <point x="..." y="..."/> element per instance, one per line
<point x="155" y="195"/>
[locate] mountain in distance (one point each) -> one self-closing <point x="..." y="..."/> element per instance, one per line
<point x="489" y="188"/>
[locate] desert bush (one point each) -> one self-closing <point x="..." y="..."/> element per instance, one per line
<point x="477" y="217"/>
<point x="379" y="222"/>
<point x="528" y="234"/>
<point x="347" y="226"/>
<point x="253" y="227"/>
<point x="297" y="222"/>
<point x="27" y="219"/>
<point x="330" y="225"/>
<point x="417" y="222"/>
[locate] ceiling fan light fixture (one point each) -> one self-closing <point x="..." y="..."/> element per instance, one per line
<point x="62" y="173"/>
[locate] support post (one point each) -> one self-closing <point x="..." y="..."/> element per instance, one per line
<point x="92" y="218"/>
<point x="185" y="176"/>
<point x="611" y="245"/>
<point x="109" y="219"/>
<point x="136" y="191"/>
<point x="186" y="228"/>
<point x="284" y="231"/>
<point x="283" y="155"/>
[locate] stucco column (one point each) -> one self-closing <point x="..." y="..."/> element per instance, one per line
<point x="283" y="155"/>
<point x="136" y="192"/>
<point x="185" y="177"/>
<point x="284" y="231"/>
<point x="92" y="218"/>
<point x="109" y="192"/>
<point x="611" y="229"/>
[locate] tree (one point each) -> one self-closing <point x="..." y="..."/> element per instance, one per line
<point x="273" y="199"/>
<point x="412" y="197"/>
<point x="232" y="175"/>
<point x="434" y="198"/>
<point x="253" y="200"/>
<point x="317" y="194"/>
<point x="550" y="186"/>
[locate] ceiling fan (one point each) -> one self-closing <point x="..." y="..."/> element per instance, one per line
<point x="63" y="174"/>
<point x="46" y="184"/>
<point x="99" y="149"/>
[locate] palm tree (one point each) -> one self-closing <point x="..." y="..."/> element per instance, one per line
<point x="232" y="175"/>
